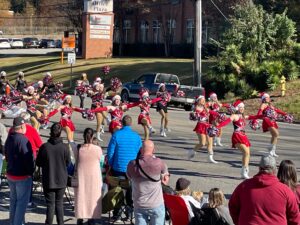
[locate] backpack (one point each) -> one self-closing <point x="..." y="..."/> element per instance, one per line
<point x="206" y="216"/>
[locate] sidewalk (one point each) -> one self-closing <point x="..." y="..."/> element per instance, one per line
<point x="37" y="214"/>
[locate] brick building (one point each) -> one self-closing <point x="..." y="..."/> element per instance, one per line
<point x="160" y="28"/>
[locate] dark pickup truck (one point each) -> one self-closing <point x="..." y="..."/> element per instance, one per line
<point x="151" y="81"/>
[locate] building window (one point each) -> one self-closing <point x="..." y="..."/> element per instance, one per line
<point x="190" y="30"/>
<point x="171" y="25"/>
<point x="156" y="31"/>
<point x="126" y="30"/>
<point x="144" y="31"/>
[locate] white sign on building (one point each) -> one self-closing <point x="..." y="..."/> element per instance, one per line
<point x="98" y="6"/>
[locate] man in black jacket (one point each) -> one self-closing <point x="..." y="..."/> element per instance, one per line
<point x="20" y="167"/>
<point x="53" y="158"/>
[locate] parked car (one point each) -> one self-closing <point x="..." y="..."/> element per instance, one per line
<point x="47" y="43"/>
<point x="4" y="43"/>
<point x="30" y="42"/>
<point x="151" y="81"/>
<point x="58" y="43"/>
<point x="16" y="43"/>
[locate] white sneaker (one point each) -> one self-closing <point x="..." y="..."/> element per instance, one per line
<point x="44" y="126"/>
<point x="191" y="154"/>
<point x="215" y="142"/>
<point x="244" y="173"/>
<point x="99" y="136"/>
<point x="272" y="151"/>
<point x="211" y="159"/>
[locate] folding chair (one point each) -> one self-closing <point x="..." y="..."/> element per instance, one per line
<point x="177" y="209"/>
<point x="126" y="208"/>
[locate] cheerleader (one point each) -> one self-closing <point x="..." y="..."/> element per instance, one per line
<point x="66" y="110"/>
<point x="97" y="95"/>
<point x="31" y="100"/>
<point x="201" y="114"/>
<point x="269" y="114"/>
<point x="162" y="108"/>
<point x="116" y="112"/>
<point x="215" y="105"/>
<point x="83" y="83"/>
<point x="239" y="138"/>
<point x="144" y="116"/>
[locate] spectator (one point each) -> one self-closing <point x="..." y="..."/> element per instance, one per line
<point x="263" y="199"/>
<point x="216" y="200"/>
<point x="183" y="190"/>
<point x="20" y="167"/>
<point x="53" y="158"/>
<point x="88" y="204"/>
<point x="287" y="174"/>
<point x="21" y="83"/>
<point x="164" y="183"/>
<point x="145" y="173"/>
<point x="124" y="146"/>
<point x="3" y="137"/>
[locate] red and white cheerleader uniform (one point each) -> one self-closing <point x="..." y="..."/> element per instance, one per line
<point x="97" y="100"/>
<point x="239" y="135"/>
<point x="116" y="118"/>
<point x="270" y="114"/>
<point x="66" y="114"/>
<point x="145" y="113"/>
<point x="202" y="124"/>
<point x="30" y="104"/>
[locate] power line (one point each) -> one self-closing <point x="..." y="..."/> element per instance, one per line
<point x="219" y="10"/>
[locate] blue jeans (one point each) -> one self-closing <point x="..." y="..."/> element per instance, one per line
<point x="19" y="198"/>
<point x="155" y="216"/>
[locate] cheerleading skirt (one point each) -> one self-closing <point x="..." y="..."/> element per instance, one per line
<point x="201" y="128"/>
<point x="67" y="123"/>
<point x="240" y="138"/>
<point x="267" y="123"/>
<point x="161" y="107"/>
<point x="113" y="124"/>
<point x="143" y="116"/>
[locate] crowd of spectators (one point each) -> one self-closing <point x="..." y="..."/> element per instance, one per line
<point x="267" y="198"/>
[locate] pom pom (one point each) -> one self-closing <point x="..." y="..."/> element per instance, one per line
<point x="271" y="113"/>
<point x="115" y="83"/>
<point x="254" y="124"/>
<point x="231" y="109"/>
<point x="222" y="117"/>
<point x="288" y="118"/>
<point x="106" y="70"/>
<point x="180" y="94"/>
<point x="193" y="116"/>
<point x="213" y="131"/>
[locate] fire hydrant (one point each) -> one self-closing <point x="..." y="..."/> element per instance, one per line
<point x="283" y="88"/>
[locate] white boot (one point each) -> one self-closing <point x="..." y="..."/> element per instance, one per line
<point x="215" y="141"/>
<point x="191" y="154"/>
<point x="272" y="150"/>
<point x="167" y="129"/>
<point x="162" y="132"/>
<point x="211" y="158"/>
<point x="218" y="141"/>
<point x="245" y="172"/>
<point x="151" y="130"/>
<point x="99" y="136"/>
<point x="102" y="129"/>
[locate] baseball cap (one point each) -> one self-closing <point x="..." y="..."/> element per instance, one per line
<point x="182" y="184"/>
<point x="267" y="162"/>
<point x="18" y="121"/>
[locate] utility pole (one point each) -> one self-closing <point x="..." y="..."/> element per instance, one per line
<point x="198" y="44"/>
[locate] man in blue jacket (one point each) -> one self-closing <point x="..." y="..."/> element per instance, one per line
<point x="123" y="147"/>
<point x="20" y="167"/>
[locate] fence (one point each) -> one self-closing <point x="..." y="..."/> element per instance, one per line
<point x="25" y="30"/>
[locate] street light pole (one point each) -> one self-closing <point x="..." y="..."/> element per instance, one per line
<point x="198" y="44"/>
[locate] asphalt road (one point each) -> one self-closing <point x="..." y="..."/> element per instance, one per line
<point x="173" y="150"/>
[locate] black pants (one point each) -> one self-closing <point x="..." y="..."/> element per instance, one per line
<point x="54" y="201"/>
<point x="82" y="97"/>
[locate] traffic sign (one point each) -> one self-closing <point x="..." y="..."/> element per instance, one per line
<point x="71" y="58"/>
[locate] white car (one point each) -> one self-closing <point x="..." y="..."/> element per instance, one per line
<point x="4" y="43"/>
<point x="16" y="43"/>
